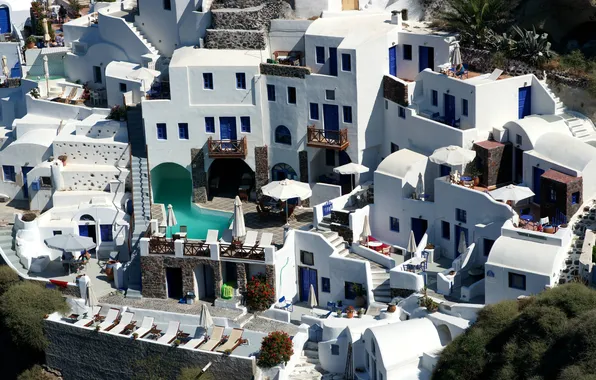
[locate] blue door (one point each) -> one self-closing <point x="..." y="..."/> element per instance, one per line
<point x="227" y="130"/>
<point x="525" y="101"/>
<point x="331" y="122"/>
<point x="393" y="60"/>
<point x="426" y="58"/>
<point x="333" y="61"/>
<point x="419" y="227"/>
<point x="16" y="71"/>
<point x="84" y="230"/>
<point x="449" y="108"/>
<point x="536" y="174"/>
<point x="308" y="277"/>
<point x="4" y="20"/>
<point x="458" y="231"/>
<point x="25" y="170"/>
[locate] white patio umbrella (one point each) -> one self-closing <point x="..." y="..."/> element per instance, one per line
<point x="351" y="169"/>
<point x="512" y="193"/>
<point x="452" y="155"/>
<point x="462" y="248"/>
<point x="456" y="55"/>
<point x="145" y="75"/>
<point x="91" y="297"/>
<point x="70" y="243"/>
<point x="287" y="189"/>
<point x="46" y="71"/>
<point x="411" y="244"/>
<point x="238" y="226"/>
<point x="206" y="319"/>
<point x="365" y="230"/>
<point x="46" y="33"/>
<point x="312" y="298"/>
<point x="171" y="221"/>
<point x="5" y="69"/>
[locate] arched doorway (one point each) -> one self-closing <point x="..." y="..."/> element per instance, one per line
<point x="226" y="176"/>
<point x="283" y="171"/>
<point x="171" y="184"/>
<point x="444" y="334"/>
<point x="88" y="228"/>
<point x="4" y="19"/>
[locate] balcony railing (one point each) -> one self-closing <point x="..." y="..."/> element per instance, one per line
<point x="196" y="248"/>
<point x="328" y="139"/>
<point x="161" y="246"/>
<point x="227" y="148"/>
<point x="237" y="251"/>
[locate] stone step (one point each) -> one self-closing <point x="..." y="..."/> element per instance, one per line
<point x="312" y="346"/>
<point x="382" y="293"/>
<point x="383" y="286"/>
<point x="310" y="353"/>
<point x="378" y="270"/>
<point x="383" y="299"/>
<point x="6" y="232"/>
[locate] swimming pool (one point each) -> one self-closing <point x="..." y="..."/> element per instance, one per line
<point x="174" y="186"/>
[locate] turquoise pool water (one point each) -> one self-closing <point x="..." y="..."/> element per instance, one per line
<point x="172" y="185"/>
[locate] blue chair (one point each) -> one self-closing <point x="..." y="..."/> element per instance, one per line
<point x="286" y="305"/>
<point x="331" y="305"/>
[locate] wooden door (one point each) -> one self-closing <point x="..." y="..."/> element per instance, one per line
<point x="349" y="5"/>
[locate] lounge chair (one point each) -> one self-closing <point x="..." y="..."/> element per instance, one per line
<point x="285" y="305"/>
<point x="232" y="342"/>
<point x="125" y="320"/>
<point x="194" y="343"/>
<point x="67" y="92"/>
<point x="89" y="318"/>
<point x="110" y="319"/>
<point x="171" y="333"/>
<point x="495" y="74"/>
<point x="211" y="236"/>
<point x="250" y="241"/>
<point x="183" y="232"/>
<point x="266" y="239"/>
<point x="214" y="339"/>
<point x="146" y="326"/>
<point x="77" y="96"/>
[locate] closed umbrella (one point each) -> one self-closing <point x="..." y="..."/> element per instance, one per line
<point x="46" y="71"/>
<point x="171" y="221"/>
<point x="238" y="226"/>
<point x="351" y="169"/>
<point x="419" y="187"/>
<point x="287" y="189"/>
<point x="70" y="243"/>
<point x="512" y="193"/>
<point x="5" y="69"/>
<point x="364" y="236"/>
<point x="452" y="155"/>
<point x="91" y="297"/>
<point x="206" y="319"/>
<point x="312" y="297"/>
<point x="46" y="33"/>
<point x="456" y="55"/>
<point x="412" y="244"/>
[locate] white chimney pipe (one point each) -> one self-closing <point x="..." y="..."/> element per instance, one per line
<point x="396" y="18"/>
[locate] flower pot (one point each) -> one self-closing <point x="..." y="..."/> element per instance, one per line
<point x="391" y="308"/>
<point x="549" y="230"/>
<point x="350" y="314"/>
<point x="476" y="181"/>
<point x="360" y="301"/>
<point x="30" y="45"/>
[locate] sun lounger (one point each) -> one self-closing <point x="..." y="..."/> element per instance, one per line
<point x="125" y="320"/>
<point x="266" y="239"/>
<point x="194" y="343"/>
<point x="171" y="333"/>
<point x="67" y="92"/>
<point x="251" y="239"/>
<point x="495" y="74"/>
<point x="146" y="326"/>
<point x="212" y="236"/>
<point x="232" y="342"/>
<point x="89" y="318"/>
<point x="214" y="339"/>
<point x="110" y="318"/>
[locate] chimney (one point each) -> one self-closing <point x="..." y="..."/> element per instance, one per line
<point x="396" y="18"/>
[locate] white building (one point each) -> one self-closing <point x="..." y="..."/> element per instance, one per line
<point x="13" y="15"/>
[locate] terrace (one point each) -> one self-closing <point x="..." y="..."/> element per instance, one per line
<point x="327" y="139"/>
<point x="227" y="148"/>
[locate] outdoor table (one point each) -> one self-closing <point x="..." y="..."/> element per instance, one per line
<point x="527" y="218"/>
<point x="374" y="245"/>
<point x="466" y="178"/>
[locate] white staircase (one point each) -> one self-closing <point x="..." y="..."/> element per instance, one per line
<point x="6" y="244"/>
<point x="578" y="127"/>
<point x="309" y="368"/>
<point x="143" y="38"/>
<point x="141" y="193"/>
<point x="380" y="280"/>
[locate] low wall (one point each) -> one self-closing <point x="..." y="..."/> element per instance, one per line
<point x="235" y="39"/>
<point x="374" y="256"/>
<point x="86" y="354"/>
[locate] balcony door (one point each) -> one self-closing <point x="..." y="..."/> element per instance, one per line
<point x="331" y="122"/>
<point x="227" y="130"/>
<point x="426" y="58"/>
<point x="449" y="108"/>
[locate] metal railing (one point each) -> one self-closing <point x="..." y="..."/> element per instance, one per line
<point x="238" y="251"/>
<point x="161" y="246"/>
<point x="325" y="138"/>
<point x="227" y="148"/>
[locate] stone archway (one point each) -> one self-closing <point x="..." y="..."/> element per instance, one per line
<point x="227" y="175"/>
<point x="444" y="334"/>
<point x="171" y="184"/>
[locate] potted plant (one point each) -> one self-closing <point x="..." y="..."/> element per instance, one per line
<point x="176" y="343"/>
<point x="63" y="158"/>
<point x="473" y="170"/>
<point x="340" y="303"/>
<point x="276" y="348"/>
<point x="339" y="313"/>
<point x="135" y="336"/>
<point x="360" y="293"/>
<point x="350" y="311"/>
<point x="30" y="42"/>
<point x="392" y="307"/>
<point x="361" y="312"/>
<point x="427" y="302"/>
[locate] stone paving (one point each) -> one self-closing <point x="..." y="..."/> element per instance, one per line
<point x="302" y="218"/>
<point x="267" y="325"/>
<point x="8" y="209"/>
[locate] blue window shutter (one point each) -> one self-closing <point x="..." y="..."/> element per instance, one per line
<point x="106" y="232"/>
<point x="271" y="92"/>
<point x="314" y="111"/>
<point x="240" y="81"/>
<point x="245" y="124"/>
<point x="210" y="124"/>
<point x="183" y="131"/>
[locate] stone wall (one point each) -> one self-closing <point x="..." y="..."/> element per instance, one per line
<point x="219" y="4"/>
<point x="255" y="18"/>
<point x="563" y="187"/>
<point x="235" y="39"/>
<point x="270" y="275"/>
<point x="482" y="61"/>
<point x="241" y="276"/>
<point x="86" y="354"/>
<point x="199" y="176"/>
<point x="153" y="270"/>
<point x="261" y="167"/>
<point x="285" y="70"/>
<point x="395" y="91"/>
<point x="495" y="163"/>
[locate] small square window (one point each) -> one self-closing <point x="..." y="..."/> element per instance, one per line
<point x="335" y="349"/>
<point x="346" y="62"/>
<point x="106" y="232"/>
<point x="292" y="95"/>
<point x="314" y="111"/>
<point x="518" y="139"/>
<point x="435" y="98"/>
<point x="575" y="198"/>
<point x="307" y="258"/>
<point x="162" y="132"/>
<point x="271" y="92"/>
<point x="325" y="285"/>
<point x="347" y="114"/>
<point x="45" y="182"/>
<point x="167" y="5"/>
<point x="517" y="281"/>
<point x="394" y="224"/>
<point x="241" y="81"/>
<point x="401" y="111"/>
<point x="208" y="81"/>
<point x="320" y="55"/>
<point x="245" y="124"/>
<point x="464" y="107"/>
<point x="330" y="157"/>
<point x="445" y="230"/>
<point x="461" y="215"/>
<point x="407" y="52"/>
<point x="330" y="94"/>
<point x="122" y="87"/>
<point x="183" y="131"/>
<point x="394" y="147"/>
<point x="57" y="232"/>
<point x="210" y="124"/>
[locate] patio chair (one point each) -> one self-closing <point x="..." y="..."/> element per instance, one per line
<point x="67" y="92"/>
<point x="125" y="320"/>
<point x="463" y="71"/>
<point x="212" y="236"/>
<point x="171" y="332"/>
<point x="183" y="232"/>
<point x="146" y="326"/>
<point x="163" y="229"/>
<point x="544" y="221"/>
<point x="77" y="97"/>
<point x="194" y="343"/>
<point x="232" y="341"/>
<point x="250" y="240"/>
<point x="495" y="74"/>
<point x="285" y="305"/>
<point x="262" y="211"/>
<point x="88" y="319"/>
<point x="266" y="238"/>
<point x="214" y="340"/>
<point x="331" y="306"/>
<point x="110" y="319"/>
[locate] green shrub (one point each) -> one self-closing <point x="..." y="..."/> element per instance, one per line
<point x="23" y="308"/>
<point x="8" y="278"/>
<point x="276" y="348"/>
<point x="36" y="373"/>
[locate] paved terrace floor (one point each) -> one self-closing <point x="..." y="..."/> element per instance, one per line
<point x="302" y="217"/>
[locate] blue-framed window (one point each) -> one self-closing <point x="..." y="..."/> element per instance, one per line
<point x="183" y="131"/>
<point x="435" y="98"/>
<point x="393" y="224"/>
<point x="162" y="131"/>
<point x="461" y="215"/>
<point x="445" y="230"/>
<point x="208" y="81"/>
<point x="283" y="135"/>
<point x="330" y="157"/>
<point x="320" y="54"/>
<point x="292" y="95"/>
<point x="464" y="107"/>
<point x="245" y="124"/>
<point x="350" y="288"/>
<point x="335" y="349"/>
<point x="210" y="124"/>
<point x="325" y="285"/>
<point x="401" y="112"/>
<point x="346" y="62"/>
<point x="575" y="198"/>
<point x="407" y="52"/>
<point x="9" y="173"/>
<point x="106" y="232"/>
<point x="517" y="281"/>
<point x="347" y="114"/>
<point x="271" y="92"/>
<point x="314" y="111"/>
<point x="241" y="81"/>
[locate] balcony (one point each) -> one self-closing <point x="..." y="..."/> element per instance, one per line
<point x="328" y="139"/>
<point x="227" y="148"/>
<point x="161" y="246"/>
<point x="238" y="251"/>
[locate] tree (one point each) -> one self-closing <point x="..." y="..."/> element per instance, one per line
<point x="276" y="348"/>
<point x="548" y="336"/>
<point x="8" y="278"/>
<point x="74" y="7"/>
<point x="475" y="19"/>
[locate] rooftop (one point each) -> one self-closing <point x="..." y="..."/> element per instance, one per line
<point x="559" y="177"/>
<point x="355" y="30"/>
<point x="191" y="57"/>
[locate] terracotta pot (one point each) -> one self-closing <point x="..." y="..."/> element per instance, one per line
<point x="30" y="45"/>
<point x="360" y="301"/>
<point x="549" y="230"/>
<point x="391" y="308"/>
<point x="350" y="314"/>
